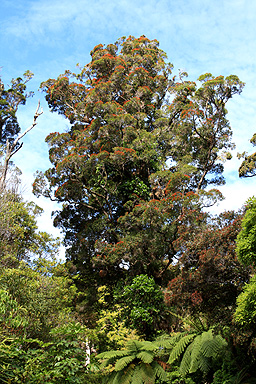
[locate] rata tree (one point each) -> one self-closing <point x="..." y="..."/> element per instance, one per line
<point x="125" y="207"/>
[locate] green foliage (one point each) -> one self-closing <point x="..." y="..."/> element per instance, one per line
<point x="143" y="304"/>
<point x="12" y="361"/>
<point x="110" y="331"/>
<point x="245" y="314"/>
<point x="63" y="359"/>
<point x="246" y="239"/>
<point x="42" y="300"/>
<point x="224" y="376"/>
<point x="19" y="235"/>
<point x="175" y="377"/>
<point x="10" y="99"/>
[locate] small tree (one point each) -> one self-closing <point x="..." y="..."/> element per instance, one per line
<point x="143" y="305"/>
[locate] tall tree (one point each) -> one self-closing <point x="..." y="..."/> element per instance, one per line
<point x="130" y="171"/>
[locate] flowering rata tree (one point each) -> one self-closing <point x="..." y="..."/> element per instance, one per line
<point x="132" y="169"/>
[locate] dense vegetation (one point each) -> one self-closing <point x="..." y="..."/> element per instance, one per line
<point x="154" y="289"/>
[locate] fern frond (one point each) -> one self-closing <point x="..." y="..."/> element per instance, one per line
<point x="147" y="372"/>
<point x="214" y="347"/>
<point x="186" y="361"/>
<point x="136" y="346"/>
<point x="111" y="354"/>
<point x="159" y="371"/>
<point x="137" y="377"/>
<point x="119" y="378"/>
<point x="128" y="375"/>
<point x="164" y="341"/>
<point x="123" y="362"/>
<point x="204" y="364"/>
<point x="180" y="347"/>
<point x="148" y="346"/>
<point x="176" y="337"/>
<point x="146" y="356"/>
<point x="109" y="357"/>
<point x="110" y="379"/>
<point x="195" y="354"/>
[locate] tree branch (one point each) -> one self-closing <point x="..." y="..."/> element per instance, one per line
<point x="11" y="149"/>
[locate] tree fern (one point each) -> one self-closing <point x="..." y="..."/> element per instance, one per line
<point x="134" y="365"/>
<point x="197" y="351"/>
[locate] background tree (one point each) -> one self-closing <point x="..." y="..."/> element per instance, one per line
<point x="248" y="166"/>
<point x="209" y="277"/>
<point x="10" y="100"/>
<point x="245" y="312"/>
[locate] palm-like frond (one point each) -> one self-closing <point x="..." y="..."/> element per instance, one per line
<point x="167" y="341"/>
<point x="137" y="346"/>
<point x="213" y="346"/>
<point x="146" y="356"/>
<point x="123" y="362"/>
<point x="147" y="372"/>
<point x="138" y="376"/>
<point x="180" y="347"/>
<point x="110" y="357"/>
<point x="159" y="371"/>
<point x="111" y="354"/>
<point x="186" y="361"/>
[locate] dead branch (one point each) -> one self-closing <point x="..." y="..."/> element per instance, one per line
<point x="12" y="148"/>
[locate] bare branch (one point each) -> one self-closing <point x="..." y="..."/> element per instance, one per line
<point x="36" y="115"/>
<point x="11" y="148"/>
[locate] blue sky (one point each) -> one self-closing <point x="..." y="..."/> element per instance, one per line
<point x="199" y="36"/>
